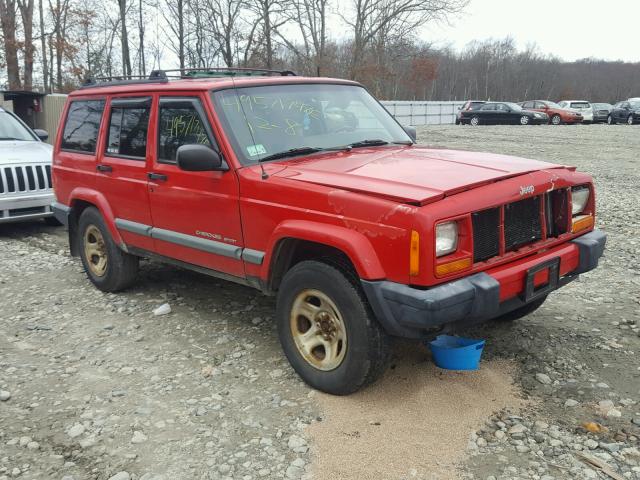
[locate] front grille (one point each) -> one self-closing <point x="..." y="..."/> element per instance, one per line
<point x="486" y="234"/>
<point x="25" y="178"/>
<point x="19" y="212"/>
<point x="522" y="223"/>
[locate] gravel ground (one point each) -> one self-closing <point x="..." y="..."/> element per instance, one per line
<point x="95" y="386"/>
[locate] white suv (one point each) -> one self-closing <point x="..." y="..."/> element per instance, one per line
<point x="26" y="192"/>
<point x="583" y="107"/>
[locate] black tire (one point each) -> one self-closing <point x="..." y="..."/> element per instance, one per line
<point x="121" y="267"/>
<point x="556" y="119"/>
<point x="52" y="221"/>
<point x="523" y="311"/>
<point x="368" y="346"/>
<point x="474" y="121"/>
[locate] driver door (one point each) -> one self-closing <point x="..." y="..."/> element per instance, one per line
<point x="195" y="215"/>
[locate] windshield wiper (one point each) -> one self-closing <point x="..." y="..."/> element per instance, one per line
<point x="13" y="138"/>
<point x="375" y="142"/>
<point x="294" y="152"/>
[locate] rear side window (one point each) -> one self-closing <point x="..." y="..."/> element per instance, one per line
<point x="82" y="126"/>
<point x="181" y="122"/>
<point x="128" y="125"/>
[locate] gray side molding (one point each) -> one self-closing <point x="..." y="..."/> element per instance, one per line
<point x="134" y="227"/>
<point x="210" y="246"/>
<point x="252" y="256"/>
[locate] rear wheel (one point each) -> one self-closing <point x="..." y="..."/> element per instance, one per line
<point x="524" y="120"/>
<point x="556" y="120"/>
<point x="475" y="121"/>
<point x="328" y="331"/>
<point x="523" y="311"/>
<point x="107" y="266"/>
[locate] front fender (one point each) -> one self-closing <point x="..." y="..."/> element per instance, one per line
<point x="352" y="243"/>
<point x="83" y="194"/>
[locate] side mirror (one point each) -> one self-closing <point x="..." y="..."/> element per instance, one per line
<point x="41" y="134"/>
<point x="411" y="131"/>
<point x="198" y="158"/>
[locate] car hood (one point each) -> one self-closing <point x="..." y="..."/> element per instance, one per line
<point x="15" y="152"/>
<point x="414" y="175"/>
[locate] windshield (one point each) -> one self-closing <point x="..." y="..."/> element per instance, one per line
<point x="266" y="120"/>
<point x="580" y="105"/>
<point x="12" y="129"/>
<point x="635" y="105"/>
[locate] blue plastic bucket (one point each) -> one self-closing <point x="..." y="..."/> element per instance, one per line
<point x="456" y="353"/>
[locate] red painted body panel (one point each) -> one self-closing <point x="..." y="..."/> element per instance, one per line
<point x="364" y="202"/>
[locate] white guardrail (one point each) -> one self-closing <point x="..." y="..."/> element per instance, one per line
<point x="418" y="113"/>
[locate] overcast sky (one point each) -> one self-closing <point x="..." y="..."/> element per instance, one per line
<point x="570" y="29"/>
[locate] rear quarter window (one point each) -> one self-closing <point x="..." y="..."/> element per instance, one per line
<point x="82" y="126"/>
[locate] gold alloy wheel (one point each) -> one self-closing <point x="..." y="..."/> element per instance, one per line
<point x="95" y="250"/>
<point x="318" y="330"/>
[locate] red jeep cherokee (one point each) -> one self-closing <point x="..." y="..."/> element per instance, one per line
<point x="308" y="189"/>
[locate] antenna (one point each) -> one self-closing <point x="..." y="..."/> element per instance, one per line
<point x="264" y="175"/>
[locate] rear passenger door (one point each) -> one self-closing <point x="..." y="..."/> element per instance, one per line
<point x="196" y="216"/>
<point x="122" y="168"/>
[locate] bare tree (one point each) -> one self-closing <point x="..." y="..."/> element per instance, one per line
<point x="124" y="38"/>
<point x="381" y="19"/>
<point x="8" y="22"/>
<point x="225" y="25"/>
<point x="310" y="16"/>
<point x="43" y="51"/>
<point x="272" y="14"/>
<point x="26" y="13"/>
<point x="175" y="16"/>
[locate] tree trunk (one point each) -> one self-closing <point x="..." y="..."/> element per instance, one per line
<point x="26" y="12"/>
<point x="142" y="70"/>
<point x="8" y="21"/>
<point x="266" y="19"/>
<point x="126" y="58"/>
<point x="43" y="46"/>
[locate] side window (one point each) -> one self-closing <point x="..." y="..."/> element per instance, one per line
<point x="488" y="107"/>
<point x="128" y="125"/>
<point x="539" y="105"/>
<point x="82" y="125"/>
<point x="181" y="122"/>
<point x="529" y="105"/>
<point x="502" y="107"/>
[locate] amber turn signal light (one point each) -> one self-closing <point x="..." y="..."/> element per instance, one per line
<point x="414" y="254"/>
<point x="453" y="267"/>
<point x="581" y="222"/>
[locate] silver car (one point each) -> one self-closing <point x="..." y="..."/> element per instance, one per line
<point x="26" y="192"/>
<point x="583" y="107"/>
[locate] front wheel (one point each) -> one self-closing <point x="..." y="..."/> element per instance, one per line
<point x="475" y="121"/>
<point x="328" y="331"/>
<point x="556" y="120"/>
<point x="107" y="266"/>
<point x="630" y="120"/>
<point x="610" y="120"/>
<point x="524" y="120"/>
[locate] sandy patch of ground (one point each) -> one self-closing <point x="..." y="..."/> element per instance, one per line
<point x="414" y="423"/>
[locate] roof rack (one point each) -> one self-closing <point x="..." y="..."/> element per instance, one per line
<point x="163" y="76"/>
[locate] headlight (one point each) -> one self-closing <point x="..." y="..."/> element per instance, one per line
<point x="446" y="238"/>
<point x="579" y="199"/>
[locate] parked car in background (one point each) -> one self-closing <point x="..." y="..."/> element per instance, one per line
<point x="503" y="113"/>
<point x="601" y="112"/>
<point x="581" y="106"/>
<point x="555" y="112"/>
<point x="468" y="106"/>
<point x="26" y="192"/>
<point x="625" y="112"/>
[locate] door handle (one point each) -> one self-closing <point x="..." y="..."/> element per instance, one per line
<point x="157" y="176"/>
<point x="104" y="168"/>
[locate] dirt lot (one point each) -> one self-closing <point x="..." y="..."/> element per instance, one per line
<point x="94" y="386"/>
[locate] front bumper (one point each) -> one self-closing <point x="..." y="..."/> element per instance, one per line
<point x="409" y="312"/>
<point x="25" y="207"/>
